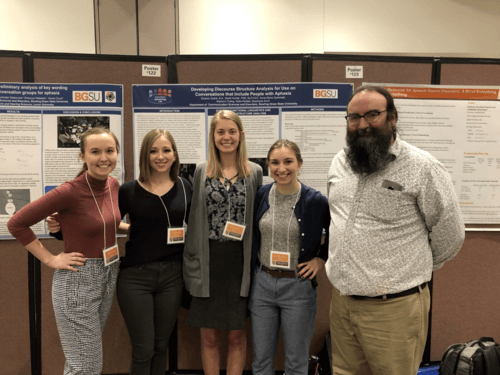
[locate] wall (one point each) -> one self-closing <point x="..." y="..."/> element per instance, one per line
<point x="256" y="27"/>
<point x="47" y="26"/>
<point x="465" y="28"/>
<point x="425" y="27"/>
<point x="157" y="27"/>
<point x="118" y="27"/>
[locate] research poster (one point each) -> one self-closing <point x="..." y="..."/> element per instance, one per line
<point x="40" y="130"/>
<point x="460" y="126"/>
<point x="310" y="114"/>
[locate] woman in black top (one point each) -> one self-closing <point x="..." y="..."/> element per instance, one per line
<point x="149" y="287"/>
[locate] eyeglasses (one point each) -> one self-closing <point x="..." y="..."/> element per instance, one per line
<point x="369" y="117"/>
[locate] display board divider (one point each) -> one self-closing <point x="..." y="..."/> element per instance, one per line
<point x="172" y="76"/>
<point x="34" y="271"/>
<point x="436" y="72"/>
<point x="379" y="58"/>
<point x="174" y="60"/>
<point x="35" y="310"/>
<point x="468" y="71"/>
<point x="92" y="57"/>
<point x="306" y="68"/>
<point x="28" y="68"/>
<point x="426" y="359"/>
<point x="469" y="60"/>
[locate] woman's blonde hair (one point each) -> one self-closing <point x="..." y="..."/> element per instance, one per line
<point x="83" y="143"/>
<point x="214" y="169"/>
<point x="147" y="145"/>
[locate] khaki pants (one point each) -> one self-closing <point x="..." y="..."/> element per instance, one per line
<point x="379" y="337"/>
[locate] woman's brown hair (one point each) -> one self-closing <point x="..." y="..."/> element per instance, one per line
<point x="83" y="143"/>
<point x="147" y="145"/>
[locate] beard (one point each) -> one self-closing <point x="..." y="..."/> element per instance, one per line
<point x="368" y="150"/>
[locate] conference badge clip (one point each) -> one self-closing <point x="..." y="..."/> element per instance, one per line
<point x="280" y="259"/>
<point x="234" y="231"/>
<point x="111" y="255"/>
<point x="176" y="235"/>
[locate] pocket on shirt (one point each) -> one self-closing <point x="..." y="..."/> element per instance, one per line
<point x="388" y="205"/>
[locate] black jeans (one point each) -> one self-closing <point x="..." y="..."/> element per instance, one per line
<point x="149" y="297"/>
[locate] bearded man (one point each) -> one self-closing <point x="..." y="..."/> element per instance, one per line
<point x="395" y="218"/>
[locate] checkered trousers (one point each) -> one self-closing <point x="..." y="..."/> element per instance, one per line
<point x="82" y="301"/>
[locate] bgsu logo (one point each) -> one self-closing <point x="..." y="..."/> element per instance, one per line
<point x="325" y="94"/>
<point x="87" y="96"/>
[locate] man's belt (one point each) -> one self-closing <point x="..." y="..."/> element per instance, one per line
<point x="405" y="293"/>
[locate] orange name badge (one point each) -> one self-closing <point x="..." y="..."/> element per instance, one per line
<point x="111" y="255"/>
<point x="234" y="231"/>
<point x="280" y="259"/>
<point x="175" y="235"/>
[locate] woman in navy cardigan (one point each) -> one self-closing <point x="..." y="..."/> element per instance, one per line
<point x="287" y="253"/>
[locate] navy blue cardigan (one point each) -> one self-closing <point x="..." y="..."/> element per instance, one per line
<point x="312" y="214"/>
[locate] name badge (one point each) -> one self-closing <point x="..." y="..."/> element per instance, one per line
<point x="175" y="235"/>
<point x="111" y="255"/>
<point x="234" y="231"/>
<point x="280" y="259"/>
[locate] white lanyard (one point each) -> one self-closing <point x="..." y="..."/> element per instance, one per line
<point x="98" y="209"/>
<point x="289" y="221"/>
<point x="166" y="211"/>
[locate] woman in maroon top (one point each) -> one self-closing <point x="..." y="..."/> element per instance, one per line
<point x="84" y="281"/>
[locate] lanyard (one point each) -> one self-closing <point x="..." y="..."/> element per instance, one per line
<point x="163" y="203"/>
<point x="289" y="221"/>
<point x="229" y="203"/>
<point x="227" y="181"/>
<point x="98" y="209"/>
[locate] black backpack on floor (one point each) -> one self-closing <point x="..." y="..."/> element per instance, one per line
<point x="477" y="357"/>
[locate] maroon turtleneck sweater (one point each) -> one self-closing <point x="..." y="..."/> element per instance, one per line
<point x="81" y="223"/>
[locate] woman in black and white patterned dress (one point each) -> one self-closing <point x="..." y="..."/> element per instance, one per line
<point x="217" y="253"/>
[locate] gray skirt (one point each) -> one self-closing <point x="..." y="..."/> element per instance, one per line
<point x="224" y="309"/>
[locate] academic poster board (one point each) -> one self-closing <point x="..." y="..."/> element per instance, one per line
<point x="459" y="126"/>
<point x="40" y="130"/>
<point x="310" y="114"/>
